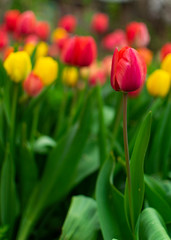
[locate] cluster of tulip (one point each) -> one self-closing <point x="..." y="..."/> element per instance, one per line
<point x="60" y="125"/>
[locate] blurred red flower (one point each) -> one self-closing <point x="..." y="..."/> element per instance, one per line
<point x="100" y="22"/>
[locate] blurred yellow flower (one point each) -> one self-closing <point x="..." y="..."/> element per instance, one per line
<point x="166" y="63"/>
<point x="29" y="47"/>
<point x="59" y="33"/>
<point x="47" y="69"/>
<point x="70" y="76"/>
<point x="158" y="83"/>
<point x="18" y="65"/>
<point x="42" y="50"/>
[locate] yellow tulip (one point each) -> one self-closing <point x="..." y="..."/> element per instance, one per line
<point x="18" y="65"/>
<point x="29" y="48"/>
<point x="166" y="63"/>
<point x="70" y="76"/>
<point x="59" y="33"/>
<point x="42" y="50"/>
<point x="47" y="69"/>
<point x="158" y="83"/>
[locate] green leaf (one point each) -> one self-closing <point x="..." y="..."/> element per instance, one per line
<point x="110" y="204"/>
<point x="137" y="171"/>
<point x="60" y="168"/>
<point x="3" y="74"/>
<point x="81" y="221"/>
<point x="151" y="226"/>
<point x="157" y="198"/>
<point x="9" y="200"/>
<point x="43" y="144"/>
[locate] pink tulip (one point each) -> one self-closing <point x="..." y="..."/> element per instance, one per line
<point x="26" y="23"/>
<point x="11" y="18"/>
<point x="79" y="51"/>
<point x="3" y="39"/>
<point x="33" y="85"/>
<point x="42" y="30"/>
<point x="115" y="39"/>
<point x="100" y="23"/>
<point x="128" y="70"/>
<point x="68" y="22"/>
<point x="137" y="34"/>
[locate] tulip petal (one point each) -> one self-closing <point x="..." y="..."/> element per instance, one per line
<point x="113" y="81"/>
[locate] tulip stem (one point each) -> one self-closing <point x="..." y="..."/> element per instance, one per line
<point x="125" y="135"/>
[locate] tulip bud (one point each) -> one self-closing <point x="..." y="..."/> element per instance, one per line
<point x="137" y="34"/>
<point x="42" y="30"/>
<point x="47" y="69"/>
<point x="26" y="23"/>
<point x="3" y="39"/>
<point x="100" y="23"/>
<point x="18" y="66"/>
<point x="166" y="64"/>
<point x="114" y="39"/>
<point x="166" y="49"/>
<point x="42" y="50"/>
<point x="158" y="83"/>
<point x="79" y="51"/>
<point x="70" y="76"/>
<point x="11" y="18"/>
<point x="29" y="47"/>
<point x="33" y="85"/>
<point x="146" y="54"/>
<point x="68" y="22"/>
<point x="128" y="70"/>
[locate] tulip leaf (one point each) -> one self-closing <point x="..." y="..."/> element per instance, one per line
<point x="43" y="144"/>
<point x="137" y="171"/>
<point x="3" y="74"/>
<point x="81" y="221"/>
<point x="61" y="167"/>
<point x="110" y="204"/>
<point x="151" y="226"/>
<point x="157" y="197"/>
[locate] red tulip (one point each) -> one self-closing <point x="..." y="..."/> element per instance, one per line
<point x="68" y="22"/>
<point x="98" y="77"/>
<point x="128" y="70"/>
<point x="79" y="51"/>
<point x="26" y="23"/>
<point x="33" y="85"/>
<point x="137" y="34"/>
<point x="3" y="39"/>
<point x="11" y="18"/>
<point x="42" y="30"/>
<point x="146" y="54"/>
<point x="115" y="39"/>
<point x="100" y="23"/>
<point x="166" y="49"/>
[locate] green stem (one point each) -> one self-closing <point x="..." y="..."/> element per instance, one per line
<point x="117" y="119"/>
<point x="34" y="124"/>
<point x="125" y="135"/>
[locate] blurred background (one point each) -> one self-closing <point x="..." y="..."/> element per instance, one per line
<point x="155" y="13"/>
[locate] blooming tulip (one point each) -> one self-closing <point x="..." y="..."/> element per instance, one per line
<point x="128" y="70"/>
<point x="3" y="39"/>
<point x="26" y="23"/>
<point x="33" y="85"/>
<point x="18" y="65"/>
<point x="100" y="23"/>
<point x="115" y="39"/>
<point x="146" y="54"/>
<point x="68" y="22"/>
<point x="70" y="76"/>
<point x="158" y="83"/>
<point x="11" y="18"/>
<point x="79" y="51"/>
<point x="42" y="30"/>
<point x="137" y="34"/>
<point x="47" y="69"/>
<point x="166" y="64"/>
<point x="166" y="49"/>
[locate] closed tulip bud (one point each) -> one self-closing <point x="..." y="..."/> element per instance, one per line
<point x="42" y="30"/>
<point x="128" y="71"/>
<point x="146" y="54"/>
<point x="79" y="51"/>
<point x="3" y="39"/>
<point x="115" y="39"/>
<point x="18" y="65"/>
<point x="70" y="76"/>
<point x="26" y="23"/>
<point x="100" y="23"/>
<point x="166" y="49"/>
<point x="42" y="50"/>
<point x="29" y="47"/>
<point x="68" y="22"/>
<point x="137" y="34"/>
<point x="166" y="64"/>
<point x="11" y="18"/>
<point x="158" y="83"/>
<point x="33" y="85"/>
<point x="47" y="69"/>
